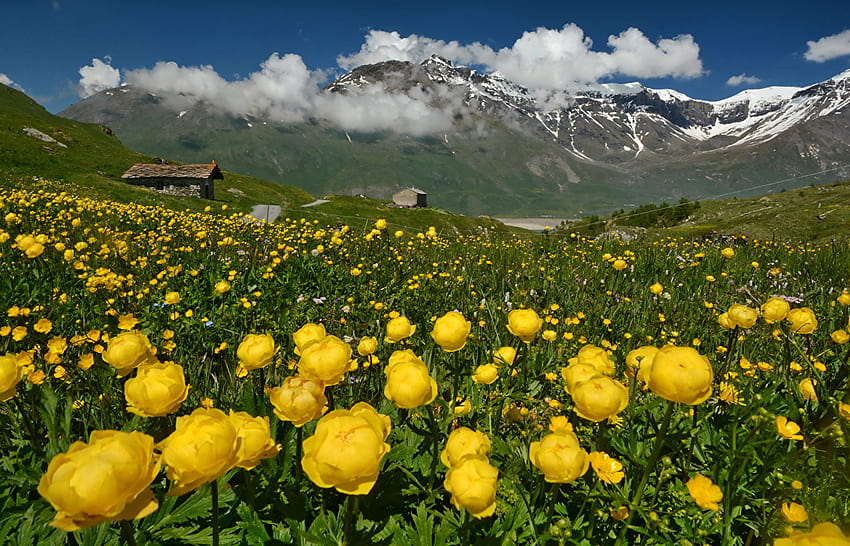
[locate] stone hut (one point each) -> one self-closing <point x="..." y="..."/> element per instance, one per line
<point x="410" y="198"/>
<point x="189" y="180"/>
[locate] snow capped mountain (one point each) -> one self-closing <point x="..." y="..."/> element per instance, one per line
<point x="499" y="148"/>
<point x="620" y="122"/>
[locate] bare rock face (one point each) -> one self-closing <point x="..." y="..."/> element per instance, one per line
<point x="35" y="133"/>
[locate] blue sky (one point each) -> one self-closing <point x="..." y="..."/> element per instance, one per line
<point x="705" y="50"/>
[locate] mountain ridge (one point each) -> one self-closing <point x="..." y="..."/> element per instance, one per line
<point x="592" y="151"/>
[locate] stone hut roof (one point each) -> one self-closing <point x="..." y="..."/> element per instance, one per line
<point x="154" y="170"/>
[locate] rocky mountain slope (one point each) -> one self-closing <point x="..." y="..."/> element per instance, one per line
<point x="508" y="152"/>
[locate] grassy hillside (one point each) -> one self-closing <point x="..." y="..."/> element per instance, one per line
<point x="86" y="159"/>
<point x="817" y="213"/>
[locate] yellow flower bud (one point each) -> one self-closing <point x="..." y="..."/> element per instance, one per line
<point x="464" y="441"/>
<point x="743" y="316"/>
<point x="775" y="309"/>
<point x="794" y="513"/>
<point x="299" y="400"/>
<point x="638" y="361"/>
<point x="504" y="355"/>
<point x="255" y="351"/>
<point x="486" y="374"/>
<point x="10" y="376"/>
<point x="472" y="484"/>
<point x="409" y="384"/>
<point x="803" y="320"/>
<point x="656" y="289"/>
<point x="307" y="335"/>
<point x="599" y="398"/>
<point x="398" y="329"/>
<point x="203" y="446"/>
<point x="559" y="456"/>
<point x="680" y="374"/>
<point x="524" y="324"/>
<point x="367" y="346"/>
<point x="255" y="441"/>
<point x="157" y="390"/>
<point x="128" y="350"/>
<point x="326" y="360"/>
<point x="450" y="331"/>
<point x="596" y="357"/>
<point x="577" y="372"/>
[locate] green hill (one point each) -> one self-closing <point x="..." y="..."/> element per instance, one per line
<point x="41" y="150"/>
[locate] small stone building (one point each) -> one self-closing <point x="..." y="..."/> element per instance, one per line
<point x="189" y="180"/>
<point x="411" y="198"/>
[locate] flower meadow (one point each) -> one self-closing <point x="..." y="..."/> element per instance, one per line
<point x="178" y="377"/>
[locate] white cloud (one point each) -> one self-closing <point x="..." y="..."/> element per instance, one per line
<point x="6" y="80"/>
<point x="742" y="79"/>
<point x="546" y="60"/>
<point x="98" y="76"/>
<point x="286" y="90"/>
<point x="829" y="47"/>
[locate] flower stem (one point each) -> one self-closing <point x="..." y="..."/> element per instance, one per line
<point x="127" y="533"/>
<point x="435" y="441"/>
<point x="350" y="515"/>
<point x="299" y="432"/>
<point x="650" y="466"/>
<point x="215" y="523"/>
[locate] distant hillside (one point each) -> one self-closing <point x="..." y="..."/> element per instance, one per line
<point x="41" y="150"/>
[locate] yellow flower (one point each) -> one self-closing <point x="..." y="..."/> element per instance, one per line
<point x="788" y="429"/>
<point x="255" y="441"/>
<point x="822" y="534"/>
<point x="559" y="422"/>
<point x="255" y="351"/>
<point x="307" y="335"/>
<point x="844" y="410"/>
<point x="656" y="289"/>
<point x="398" y="329"/>
<point x="524" y="324"/>
<point x="43" y="326"/>
<point x="725" y="321"/>
<point x="742" y="316"/>
<point x="299" y="400"/>
<point x="472" y="484"/>
<point x="840" y="336"/>
<point x="680" y="374"/>
<point x="19" y="333"/>
<point x="172" y="297"/>
<point x="486" y="374"/>
<point x="85" y="361"/>
<point x="803" y="320"/>
<point x="807" y="389"/>
<point x="221" y="287"/>
<point x="203" y="446"/>
<point x="619" y="264"/>
<point x="409" y="385"/>
<point x="127" y="322"/>
<point x="346" y="449"/>
<point x="107" y="479"/>
<point x="10" y="375"/>
<point x="157" y="390"/>
<point x="599" y="398"/>
<point x="380" y="224"/>
<point x="775" y="309"/>
<point x="325" y="361"/>
<point x="559" y="456"/>
<point x="462" y="442"/>
<point x="620" y="513"/>
<point x="727" y="252"/>
<point x="794" y="513"/>
<point x="367" y="346"/>
<point x="607" y="468"/>
<point x="577" y="372"/>
<point x="128" y="350"/>
<point x="550" y="335"/>
<point x="704" y="492"/>
<point x="504" y="355"/>
<point x="638" y="360"/>
<point x="450" y="331"/>
<point x="462" y="407"/>
<point x="596" y="357"/>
